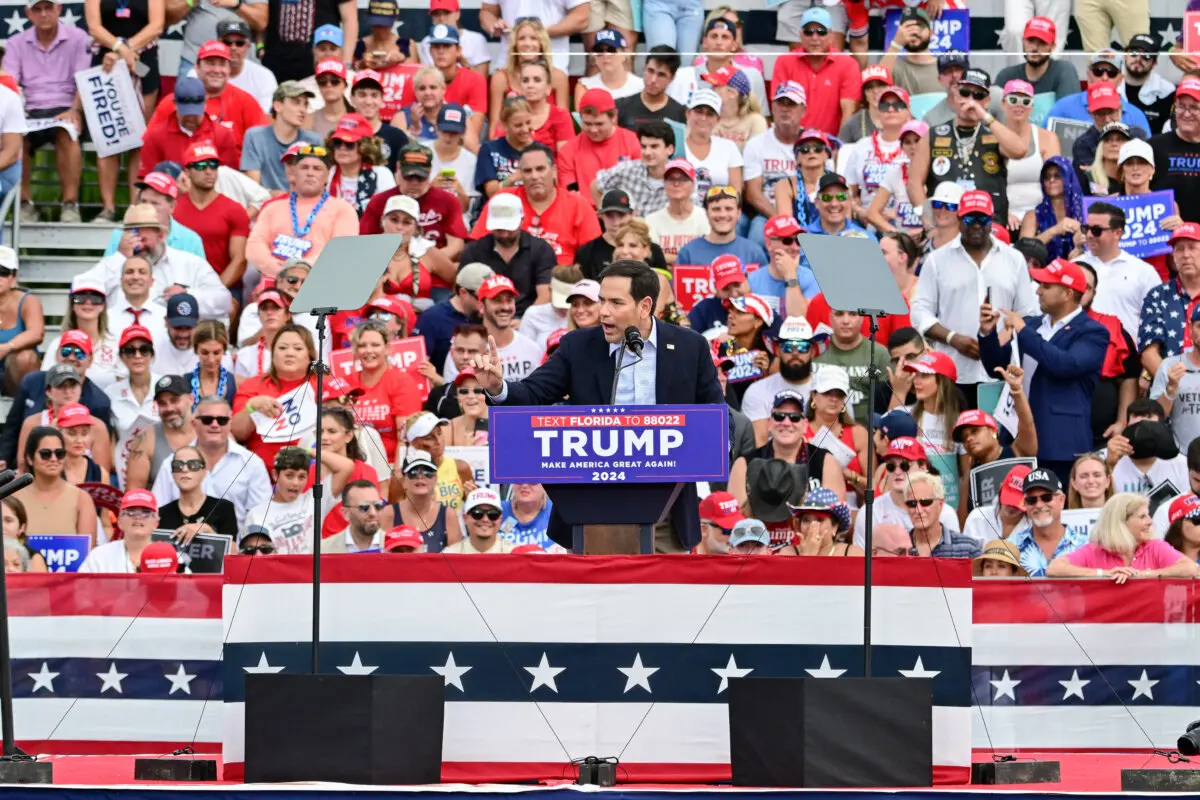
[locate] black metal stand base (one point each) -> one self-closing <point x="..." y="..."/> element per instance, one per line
<point x="1160" y="780"/>
<point x="175" y="769"/>
<point x="26" y="771"/>
<point x="1003" y="773"/>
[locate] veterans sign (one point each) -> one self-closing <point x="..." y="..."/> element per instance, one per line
<point x="112" y="108"/>
<point x="627" y="444"/>
<point x="1143" y="235"/>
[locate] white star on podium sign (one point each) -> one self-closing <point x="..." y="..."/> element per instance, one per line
<point x="544" y="675"/>
<point x="1143" y="687"/>
<point x="637" y="675"/>
<point x="825" y="671"/>
<point x="1075" y="685"/>
<point x="181" y="681"/>
<point x="44" y="679"/>
<point x="730" y="670"/>
<point x="452" y="672"/>
<point x="356" y="667"/>
<point x="1005" y="687"/>
<point x="263" y="667"/>
<point x="919" y="671"/>
<point x="112" y="679"/>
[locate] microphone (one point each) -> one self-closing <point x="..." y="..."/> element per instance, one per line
<point x="16" y="484"/>
<point x="634" y="341"/>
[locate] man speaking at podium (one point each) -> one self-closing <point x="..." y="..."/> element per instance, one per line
<point x="676" y="368"/>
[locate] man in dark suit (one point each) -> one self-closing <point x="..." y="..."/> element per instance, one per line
<point x="676" y="368"/>
<point x="1062" y="353"/>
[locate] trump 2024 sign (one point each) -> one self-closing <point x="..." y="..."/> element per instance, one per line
<point x="625" y="444"/>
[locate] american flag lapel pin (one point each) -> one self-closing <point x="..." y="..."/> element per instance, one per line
<point x="670" y="346"/>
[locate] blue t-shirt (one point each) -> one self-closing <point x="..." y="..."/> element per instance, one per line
<point x="261" y="152"/>
<point x="180" y="237"/>
<point x="1074" y="107"/>
<point x="437" y="324"/>
<point x="766" y="285"/>
<point x="532" y="532"/>
<point x="497" y="160"/>
<point x="702" y="251"/>
<point x="707" y="313"/>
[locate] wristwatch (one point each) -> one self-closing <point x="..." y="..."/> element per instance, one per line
<point x="791" y="283"/>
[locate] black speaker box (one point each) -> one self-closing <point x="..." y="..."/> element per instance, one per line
<point x="815" y="733"/>
<point x="368" y="729"/>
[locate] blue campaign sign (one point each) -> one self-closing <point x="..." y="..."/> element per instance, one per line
<point x="1143" y="236"/>
<point x="951" y="31"/>
<point x="626" y="444"/>
<point x="63" y="552"/>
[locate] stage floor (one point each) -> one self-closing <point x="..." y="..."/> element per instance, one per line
<point x="111" y="777"/>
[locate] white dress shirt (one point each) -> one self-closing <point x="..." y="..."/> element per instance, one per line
<point x="239" y="477"/>
<point x="1046" y="330"/>
<point x="174" y="267"/>
<point x="125" y="406"/>
<point x="151" y="316"/>
<point x="953" y="286"/>
<point x="1121" y="287"/>
<point x="637" y="384"/>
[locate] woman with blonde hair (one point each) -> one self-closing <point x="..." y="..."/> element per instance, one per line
<point x="1124" y="545"/>
<point x="528" y="42"/>
<point x="1102" y="178"/>
<point x="360" y="169"/>
<point x="1091" y="482"/>
<point x="741" y="117"/>
<point x="429" y="89"/>
<point x="87" y="311"/>
<point x="632" y="242"/>
<point x="496" y="166"/>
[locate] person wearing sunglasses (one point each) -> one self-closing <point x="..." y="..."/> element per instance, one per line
<point x="1123" y="280"/>
<point x="133" y="395"/>
<point x="1145" y="88"/>
<point x="255" y="540"/>
<point x="798" y="346"/>
<point x="744" y="341"/>
<point x="87" y="312"/>
<point x="890" y="210"/>
<point x="1101" y="177"/>
<point x="194" y="511"/>
<point x="1104" y="68"/>
<point x="813" y="148"/>
<point x="421" y="506"/>
<point x="1057" y="220"/>
<point x="288" y="282"/>
<point x="1024" y="187"/>
<point x="232" y="108"/>
<point x="871" y="158"/>
<point x="613" y="61"/>
<point x="924" y="500"/>
<point x="246" y="74"/>
<point x="52" y="504"/>
<point x="1028" y="514"/>
<point x="471" y="426"/>
<point x="719" y="513"/>
<point x="816" y="63"/>
<point x="1136" y="170"/>
<point x="363" y="518"/>
<point x="138" y="519"/>
<point x="18" y="343"/>
<point x="1004" y="517"/>
<point x="482" y="512"/>
<point x="835" y="206"/>
<point x="63" y="389"/>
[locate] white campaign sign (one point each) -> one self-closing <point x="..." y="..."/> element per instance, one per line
<point x="298" y="418"/>
<point x="112" y="108"/>
<point x="477" y="457"/>
<point x="1080" y="519"/>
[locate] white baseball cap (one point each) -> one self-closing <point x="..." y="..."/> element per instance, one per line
<point x="948" y="192"/>
<point x="423" y="426"/>
<point x="831" y="377"/>
<point x="482" y="497"/>
<point x="1134" y="148"/>
<point x="403" y="203"/>
<point x="505" y="213"/>
<point x="418" y="458"/>
<point x="8" y="258"/>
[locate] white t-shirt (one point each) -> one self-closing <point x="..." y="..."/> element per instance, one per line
<point x="247" y="365"/>
<point x="983" y="524"/>
<point x="258" y="81"/>
<point x="348" y="188"/>
<point x="713" y="170"/>
<point x="770" y="159"/>
<point x="474" y="48"/>
<point x="540" y="321"/>
<point x="240" y="189"/>
<point x="756" y="403"/>
<point x="550" y="12"/>
<point x="897" y="187"/>
<point x="886" y="511"/>
<point x="633" y="85"/>
<point x="672" y="234"/>
<point x="520" y="357"/>
<point x="12" y="113"/>
<point x="1128" y="478"/>
<point x="1121" y="288"/>
<point x="109" y="557"/>
<point x="290" y="524"/>
<point x="464" y="171"/>
<point x="866" y="170"/>
<point x="933" y="434"/>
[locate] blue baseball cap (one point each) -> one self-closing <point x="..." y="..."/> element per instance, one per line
<point x="171" y="168"/>
<point x="896" y="423"/>
<point x="953" y="58"/>
<point x="182" y="311"/>
<point x="443" y="34"/>
<point x="329" y="33"/>
<point x="452" y="117"/>
<point x="610" y="37"/>
<point x="818" y="15"/>
<point x="750" y="530"/>
<point x="382" y="13"/>
<point x="189" y="96"/>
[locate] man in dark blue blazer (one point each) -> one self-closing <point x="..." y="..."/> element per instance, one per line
<point x="1064" y="350"/>
<point x="676" y="368"/>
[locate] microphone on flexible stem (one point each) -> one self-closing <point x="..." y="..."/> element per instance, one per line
<point x="16" y="484"/>
<point x="634" y="341"/>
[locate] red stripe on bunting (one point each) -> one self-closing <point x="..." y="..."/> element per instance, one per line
<point x="89" y="747"/>
<point x="719" y="570"/>
<point x="1083" y="601"/>
<point x="57" y="594"/>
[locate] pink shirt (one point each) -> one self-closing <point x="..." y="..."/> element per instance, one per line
<point x="1155" y="554"/>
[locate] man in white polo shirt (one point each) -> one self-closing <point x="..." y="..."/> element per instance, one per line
<point x="1122" y="280"/>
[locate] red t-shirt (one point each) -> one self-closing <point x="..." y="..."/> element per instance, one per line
<point x="215" y="223"/>
<point x="838" y="78"/>
<point x="569" y="223"/>
<point x="581" y="158"/>
<point x="265" y="385"/>
<point x="558" y="127"/>
<point x="819" y="312"/>
<point x="393" y="395"/>
<point x="234" y="109"/>
<point x="164" y="141"/>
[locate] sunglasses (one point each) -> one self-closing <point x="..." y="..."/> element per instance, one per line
<point x="378" y="505"/>
<point x="725" y="531"/>
<point x="892" y="466"/>
<point x="137" y="513"/>
<point x="1035" y="499"/>
<point x="209" y="419"/>
<point x="602" y="49"/>
<point x="893" y="105"/>
<point x="786" y="241"/>
<point x="794" y="416"/>
<point x="46" y="454"/>
<point x="924" y="502"/>
<point x="802" y="346"/>
<point x="5" y="272"/>
<point x="841" y="197"/>
<point x="342" y="144"/>
<point x="313" y="150"/>
<point x="329" y="80"/>
<point x="978" y="96"/>
<point x="70" y="351"/>
<point x="420" y="472"/>
<point x="292" y="279"/>
<point x="721" y="191"/>
<point x="138" y="350"/>
<point x="191" y="465"/>
<point x="463" y="390"/>
<point x="977" y="219"/>
<point x="87" y="299"/>
<point x="816" y="31"/>
<point x="1095" y="230"/>
<point x="1018" y="100"/>
<point x="480" y="513"/>
<point x="207" y="164"/>
<point x="255" y="549"/>
<point x="235" y="42"/>
<point x="942" y="205"/>
<point x="1105" y="72"/>
<point x="805" y="149"/>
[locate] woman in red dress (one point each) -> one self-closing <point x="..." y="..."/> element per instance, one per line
<point x="292" y="352"/>
<point x="389" y="394"/>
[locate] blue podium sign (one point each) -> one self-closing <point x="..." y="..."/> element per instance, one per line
<point x="626" y="444"/>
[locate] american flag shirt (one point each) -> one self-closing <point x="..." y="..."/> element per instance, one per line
<point x="1164" y="317"/>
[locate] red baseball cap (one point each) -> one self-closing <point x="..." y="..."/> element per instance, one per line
<point x="553" y="340"/>
<point x="1062" y="272"/>
<point x="1103" y="95"/>
<point x="352" y="127"/>
<point x="976" y="202"/>
<point x="681" y="164"/>
<point x="814" y="133"/>
<point x="727" y="270"/>
<point x="292" y="151"/>
<point x="335" y="388"/>
<point x="495" y="286"/>
<point x="906" y="447"/>
<point x="77" y="338"/>
<point x="159" y="557"/>
<point x="1041" y="28"/>
<point x="934" y="362"/>
<point x="331" y="66"/>
<point x="783" y="225"/>
<point x="443" y="5"/>
<point x="403" y="536"/>
<point x="973" y="418"/>
<point x="197" y="151"/>
<point x="877" y="72"/>
<point x="524" y="549"/>
<point x="599" y="99"/>
<point x="139" y="498"/>
<point x="1189" y="87"/>
<point x="364" y="75"/>
<point x="73" y="415"/>
<point x="213" y="49"/>
<point x="1000" y="232"/>
<point x="721" y="508"/>
<point x="135" y="332"/>
<point x="1188" y="230"/>
<point x="161" y="183"/>
<point x="899" y="91"/>
<point x="1012" y="493"/>
<point x="274" y="296"/>
<point x="1186" y="506"/>
<point x="397" y="307"/>
<point x="461" y="378"/>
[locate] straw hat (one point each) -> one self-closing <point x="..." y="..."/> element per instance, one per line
<point x="999" y="550"/>
<point x="142" y="215"/>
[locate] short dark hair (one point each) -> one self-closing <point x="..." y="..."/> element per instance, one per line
<point x="1145" y="407"/>
<point x="361" y="483"/>
<point x="1193" y="455"/>
<point x="643" y="281"/>
<point x="538" y="147"/>
<point x="34" y="442"/>
<point x="471" y="329"/>
<point x="1116" y="214"/>
<point x="902" y="336"/>
<point x="291" y="458"/>
<point x="666" y="56"/>
<point x="657" y="129"/>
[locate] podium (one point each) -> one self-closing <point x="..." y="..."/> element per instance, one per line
<point x="613" y="473"/>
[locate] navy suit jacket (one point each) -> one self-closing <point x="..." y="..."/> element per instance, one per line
<point x="581" y="370"/>
<point x="1060" y="394"/>
<point x="31" y="399"/>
